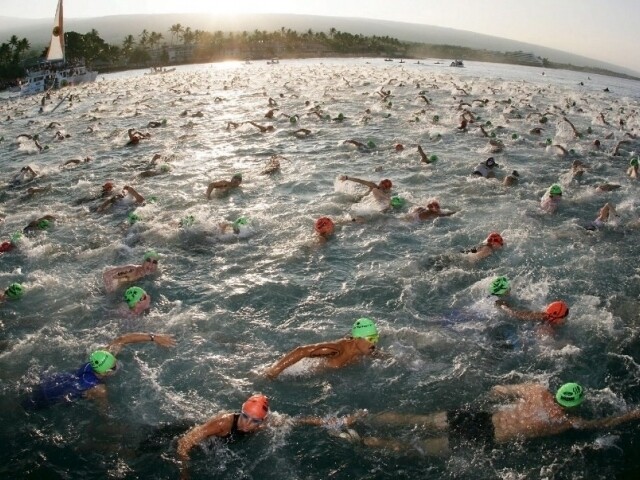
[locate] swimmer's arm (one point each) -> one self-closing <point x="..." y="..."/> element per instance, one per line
<point x="161" y="339"/>
<point x="446" y="214"/>
<point x="98" y="394"/>
<point x="521" y="314"/>
<point x="139" y="198"/>
<point x="581" y="424"/>
<point x="519" y="390"/>
<point x="366" y="183"/>
<point x="297" y="354"/>
<point x="216" y="427"/>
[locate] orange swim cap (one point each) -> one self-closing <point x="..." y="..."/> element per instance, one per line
<point x="399" y="147"/>
<point x="556" y="311"/>
<point x="324" y="226"/>
<point x="256" y="406"/>
<point x="108" y="186"/>
<point x="494" y="238"/>
<point x="385" y="184"/>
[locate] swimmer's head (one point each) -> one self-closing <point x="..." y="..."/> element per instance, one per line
<point x="15" y="237"/>
<point x="490" y="162"/>
<point x="164" y="168"/>
<point x="188" y="221"/>
<point x="399" y="147"/>
<point x="133" y="295"/>
<point x="555" y="190"/>
<point x="365" y="328"/>
<point x="570" y="395"/>
<point x="433" y="206"/>
<point x="385" y="184"/>
<point x="499" y="286"/>
<point x="515" y="174"/>
<point x="237" y="178"/>
<point x="151" y="256"/>
<point x="256" y="408"/>
<point x="133" y="218"/>
<point x="556" y="311"/>
<point x="293" y="119"/>
<point x="633" y="162"/>
<point x="371" y="144"/>
<point x="397" y="202"/>
<point x="107" y="187"/>
<point x="240" y="221"/>
<point x="102" y="361"/>
<point x="495" y="240"/>
<point x="43" y="224"/>
<point x="436" y="118"/>
<point x="340" y="116"/>
<point x="14" y="291"/>
<point x="324" y="226"/>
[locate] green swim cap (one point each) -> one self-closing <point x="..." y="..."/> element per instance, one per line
<point x="14" y="291"/>
<point x="371" y="144"/>
<point x="589" y="130"/>
<point x="237" y="176"/>
<point x="433" y="158"/>
<point x="548" y="141"/>
<point x="488" y="123"/>
<point x="555" y="189"/>
<point x="133" y="295"/>
<point x="152" y="199"/>
<point x="133" y="218"/>
<point x="514" y="136"/>
<point x="633" y="162"/>
<point x="15" y="237"/>
<point x="240" y="221"/>
<point x="570" y="395"/>
<point x="164" y="121"/>
<point x="365" y="328"/>
<point x="436" y="118"/>
<point x="44" y="224"/>
<point x="102" y="361"/>
<point x="188" y="221"/>
<point x="397" y="202"/>
<point x="293" y="119"/>
<point x="499" y="286"/>
<point x="165" y="168"/>
<point x="340" y="116"/>
<point x="327" y="117"/>
<point x="151" y="254"/>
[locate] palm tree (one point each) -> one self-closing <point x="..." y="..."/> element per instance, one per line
<point x="127" y="45"/>
<point x="176" y="31"/>
<point x="144" y="37"/>
<point x="188" y="36"/>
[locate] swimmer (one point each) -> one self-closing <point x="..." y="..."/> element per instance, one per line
<point x="273" y="165"/>
<point x="105" y="191"/>
<point x="262" y="128"/>
<point x="485" y="169"/>
<point x="577" y="169"/>
<point x="573" y="128"/>
<point x="15" y="291"/>
<point x="224" y="186"/>
<point x="117" y="276"/>
<point x="302" y="132"/>
<point x="89" y="380"/>
<point x="607" y="187"/>
<point x="616" y="149"/>
<point x="324" y="228"/>
<point x="126" y="191"/>
<point x="137" y="300"/>
<point x="533" y="412"/>
<point x="603" y="217"/>
<point x="233" y="227"/>
<point x="155" y="124"/>
<point x="362" y="342"/>
<point x="550" y="201"/>
<point x="426" y="159"/>
<point x="39" y="224"/>
<point x="554" y="313"/>
<point x="381" y="192"/>
<point x="252" y="417"/>
<point x="512" y="179"/>
<point x="76" y="161"/>
<point x="369" y="145"/>
<point x="10" y="244"/>
<point x="432" y="211"/>
<point x="25" y="175"/>
<point x="632" y="171"/>
<point x="154" y="173"/>
<point x="135" y="136"/>
<point x="492" y="243"/>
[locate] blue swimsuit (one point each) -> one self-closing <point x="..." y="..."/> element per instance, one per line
<point x="62" y="387"/>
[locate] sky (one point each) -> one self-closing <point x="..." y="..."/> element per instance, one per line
<point x="607" y="30"/>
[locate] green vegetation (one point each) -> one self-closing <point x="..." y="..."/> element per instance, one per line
<point x="183" y="45"/>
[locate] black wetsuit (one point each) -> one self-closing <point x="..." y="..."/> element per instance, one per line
<point x="468" y="424"/>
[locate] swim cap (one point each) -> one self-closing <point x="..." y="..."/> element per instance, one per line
<point x="433" y="158"/>
<point x="499" y="286"/>
<point x="495" y="238"/>
<point x="133" y="295"/>
<point x="556" y="311"/>
<point x="108" y="186"/>
<point x="514" y="136"/>
<point x="434" y="204"/>
<point x="490" y="162"/>
<point x="340" y="116"/>
<point x="488" y="123"/>
<point x="555" y="189"/>
<point x="237" y="176"/>
<point x="150" y="255"/>
<point x="371" y="144"/>
<point x="14" y="291"/>
<point x="43" y="224"/>
<point x="15" y="237"/>
<point x="324" y="226"/>
<point x="544" y="119"/>
<point x="256" y="406"/>
<point x="398" y="146"/>
<point x="133" y="218"/>
<point x="386" y="184"/>
<point x="240" y="221"/>
<point x="187" y="221"/>
<point x="548" y="141"/>
<point x="397" y="202"/>
<point x="436" y="118"/>
<point x="165" y="168"/>
<point x="293" y="119"/>
<point x="365" y="328"/>
<point x="102" y="361"/>
<point x="570" y="395"/>
<point x="633" y="162"/>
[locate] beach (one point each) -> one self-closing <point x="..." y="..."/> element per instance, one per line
<point x="235" y="302"/>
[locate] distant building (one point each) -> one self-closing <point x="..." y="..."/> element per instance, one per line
<point x="523" y="58"/>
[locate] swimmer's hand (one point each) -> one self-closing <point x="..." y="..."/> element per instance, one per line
<point x="342" y="177"/>
<point x="164" y="340"/>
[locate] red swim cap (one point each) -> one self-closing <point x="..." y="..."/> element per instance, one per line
<point x="399" y="147"/>
<point x="385" y="184"/>
<point x="324" y="226"/>
<point x="556" y="311"/>
<point x="494" y="238"/>
<point x="108" y="186"/>
<point x="6" y="247"/>
<point x="256" y="406"/>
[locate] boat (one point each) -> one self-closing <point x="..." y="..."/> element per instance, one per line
<point x="54" y="71"/>
<point x="273" y="61"/>
<point x="160" y="70"/>
<point x="456" y="63"/>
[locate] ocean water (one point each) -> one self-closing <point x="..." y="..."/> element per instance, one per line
<point x="236" y="303"/>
